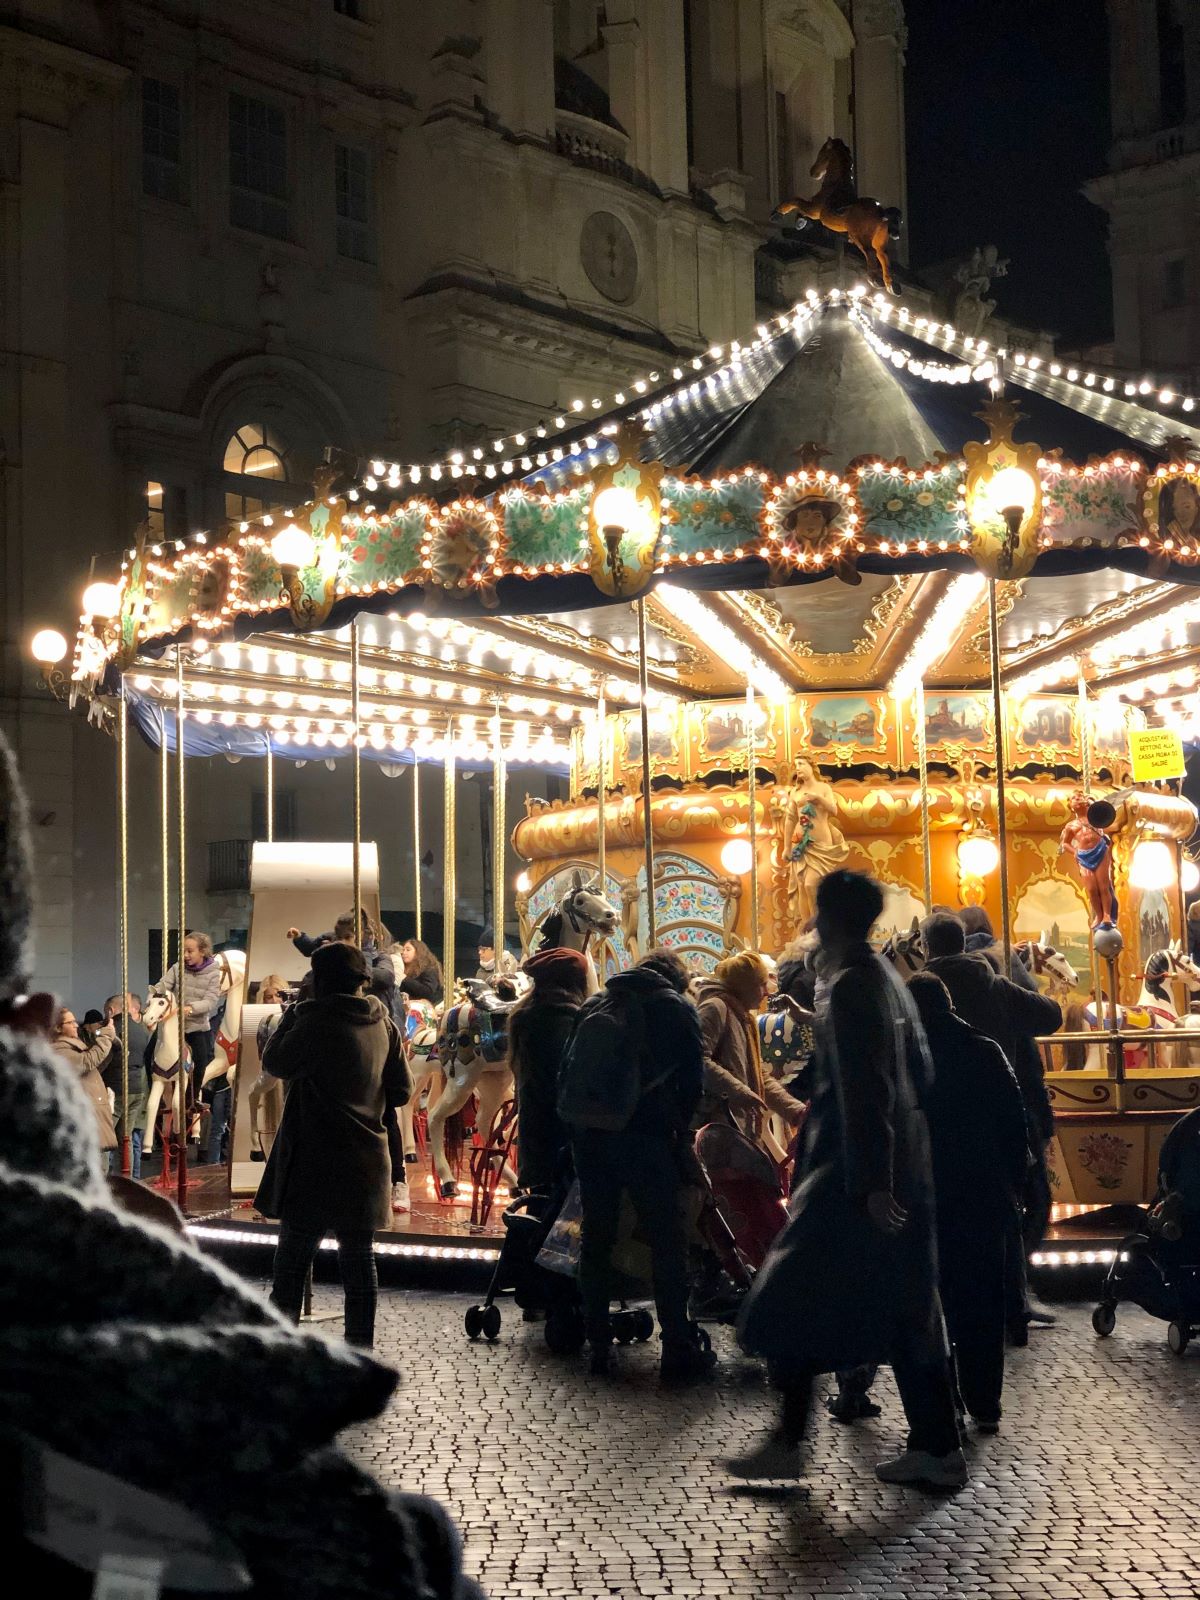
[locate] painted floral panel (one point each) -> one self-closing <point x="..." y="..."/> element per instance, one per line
<point x="388" y="553"/>
<point x="708" y="518"/>
<point x="540" y="530"/>
<point x="925" y="508"/>
<point x="1102" y="506"/>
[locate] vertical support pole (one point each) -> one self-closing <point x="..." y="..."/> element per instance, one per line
<point x="417" y="842"/>
<point x="181" y="1142"/>
<point x="449" y="862"/>
<point x="270" y="792"/>
<point x="601" y="787"/>
<point x="752" y="801"/>
<point x="355" y="714"/>
<point x="164" y="776"/>
<point x="1001" y="763"/>
<point x="923" y="774"/>
<point x="1084" y="718"/>
<point x="498" y="828"/>
<point x="123" y="827"/>
<point x="647" y="819"/>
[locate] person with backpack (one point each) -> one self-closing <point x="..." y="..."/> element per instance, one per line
<point x="631" y="1079"/>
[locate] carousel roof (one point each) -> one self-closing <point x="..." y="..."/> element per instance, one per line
<point x="478" y="596"/>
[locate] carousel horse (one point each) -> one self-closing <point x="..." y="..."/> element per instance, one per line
<point x="473" y="1034"/>
<point x="905" y="951"/>
<point x="1154" y="1011"/>
<point x="421" y="1036"/>
<point x="265" y="1096"/>
<point x="160" y="1016"/>
<point x="838" y="207"/>
<point x="1042" y="960"/>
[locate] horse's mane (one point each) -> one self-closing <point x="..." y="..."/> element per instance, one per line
<point x="550" y="933"/>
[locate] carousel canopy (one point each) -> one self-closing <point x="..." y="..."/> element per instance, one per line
<point x="821" y="530"/>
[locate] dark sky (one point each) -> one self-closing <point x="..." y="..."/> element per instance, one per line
<point x="1007" y="117"/>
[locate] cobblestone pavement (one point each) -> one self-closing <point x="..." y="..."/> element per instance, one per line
<point x="564" y="1488"/>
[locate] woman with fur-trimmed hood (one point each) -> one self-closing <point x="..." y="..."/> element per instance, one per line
<point x="733" y="1069"/>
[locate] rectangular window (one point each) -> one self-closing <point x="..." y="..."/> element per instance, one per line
<point x="156" y="517"/>
<point x="1174" y="283"/>
<point x="352" y="188"/>
<point x="258" y="180"/>
<point x="162" y="140"/>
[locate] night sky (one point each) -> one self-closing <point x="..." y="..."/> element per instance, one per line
<point x="1007" y="117"/>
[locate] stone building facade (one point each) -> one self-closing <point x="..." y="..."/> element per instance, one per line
<point x="1152" y="190"/>
<point x="236" y="234"/>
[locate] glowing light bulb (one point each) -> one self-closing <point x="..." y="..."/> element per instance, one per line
<point x="293" y="547"/>
<point x="737" y="857"/>
<point x="102" y="599"/>
<point x="1152" y="865"/>
<point x="978" y="855"/>
<point x="48" y="646"/>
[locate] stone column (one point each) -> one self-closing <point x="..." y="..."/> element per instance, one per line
<point x="879" y="103"/>
<point x="520" y="66"/>
<point x="1133" y="54"/>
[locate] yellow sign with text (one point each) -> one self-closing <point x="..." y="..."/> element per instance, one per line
<point x="1155" y="753"/>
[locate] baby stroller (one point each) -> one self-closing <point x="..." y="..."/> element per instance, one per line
<point x="1158" y="1267"/>
<point x="551" y="1290"/>
<point x="747" y="1198"/>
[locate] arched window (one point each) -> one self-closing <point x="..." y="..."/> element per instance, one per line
<point x="256" y="454"/>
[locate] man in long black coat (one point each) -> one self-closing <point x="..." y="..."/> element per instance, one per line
<point x="852" y="1279"/>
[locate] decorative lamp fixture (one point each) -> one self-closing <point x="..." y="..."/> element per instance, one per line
<point x="1152" y="865"/>
<point x="293" y="548"/>
<point x="624" y="521"/>
<point x="48" y="647"/>
<point x="523" y="883"/>
<point x="737" y="857"/>
<point x="102" y="599"/>
<point x="978" y="853"/>
<point x="1003" y="496"/>
<point x="1189" y="877"/>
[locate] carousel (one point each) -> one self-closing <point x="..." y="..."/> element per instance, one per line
<point x="861" y="590"/>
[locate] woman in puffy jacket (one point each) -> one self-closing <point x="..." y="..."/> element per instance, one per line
<point x="201" y="980"/>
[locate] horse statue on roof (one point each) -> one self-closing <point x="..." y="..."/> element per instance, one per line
<point x="472" y="1043"/>
<point x="838" y="207"/>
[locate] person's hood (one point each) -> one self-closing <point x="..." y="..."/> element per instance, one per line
<point x="359" y="1010"/>
<point x="639" y="983"/>
<point x="972" y="971"/>
<point x="201" y="966"/>
<point x="711" y="989"/>
<point x="980" y="941"/>
<point x="67" y="1043"/>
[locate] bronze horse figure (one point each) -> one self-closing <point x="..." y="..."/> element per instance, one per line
<point x="838" y="207"/>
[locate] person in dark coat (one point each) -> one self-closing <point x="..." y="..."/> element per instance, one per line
<point x="1013" y="1016"/>
<point x="329" y="1170"/>
<point x="852" y="1278"/>
<point x="539" y="1026"/>
<point x="645" y="1160"/>
<point x="980" y="1150"/>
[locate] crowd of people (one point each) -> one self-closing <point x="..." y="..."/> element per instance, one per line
<point x="919" y="1178"/>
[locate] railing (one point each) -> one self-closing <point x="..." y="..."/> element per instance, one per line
<point x="228" y="866"/>
<point x="1166" y="144"/>
<point x="1091" y="1071"/>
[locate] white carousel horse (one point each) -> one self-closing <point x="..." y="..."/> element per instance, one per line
<point x="1155" y="1010"/>
<point x="473" y="1036"/>
<point x="160" y="1015"/>
<point x="421" y="1032"/>
<point x="1042" y="960"/>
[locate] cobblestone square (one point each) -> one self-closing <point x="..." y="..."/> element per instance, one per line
<point x="566" y="1488"/>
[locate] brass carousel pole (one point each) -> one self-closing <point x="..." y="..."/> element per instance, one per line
<point x="647" y="818"/>
<point x="752" y="803"/>
<point x="164" y="774"/>
<point x="449" y="863"/>
<point x="601" y="786"/>
<point x="417" y="843"/>
<point x="1001" y="759"/>
<point x="1083" y="712"/>
<point x="181" y="1142"/>
<point x="498" y="781"/>
<point x="355" y="714"/>
<point x="923" y="772"/>
<point x="123" y="827"/>
<point x="270" y="792"/>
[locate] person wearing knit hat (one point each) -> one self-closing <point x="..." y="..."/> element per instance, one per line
<point x="538" y="1029"/>
<point x="493" y="963"/>
<point x="733" y="1069"/>
<point x="232" y="1469"/>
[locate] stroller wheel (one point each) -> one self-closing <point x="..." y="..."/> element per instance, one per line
<point x="1178" y="1337"/>
<point x="473" y="1321"/>
<point x="564" y="1332"/>
<point x="623" y="1327"/>
<point x="643" y="1326"/>
<point x="1104" y="1320"/>
<point x="490" y="1322"/>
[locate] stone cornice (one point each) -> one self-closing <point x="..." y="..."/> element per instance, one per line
<point x="29" y="61"/>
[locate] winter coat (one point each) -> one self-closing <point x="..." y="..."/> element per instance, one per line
<point x="139" y="1047"/>
<point x="983" y="944"/>
<point x="504" y="966"/>
<point x="201" y="991"/>
<point x="732" y="1075"/>
<point x="86" y="1061"/>
<point x="977" y="1126"/>
<point x="329" y="1167"/>
<point x="538" y="1030"/>
<point x="672" y="1044"/>
<point x="835" y="1290"/>
<point x="1010" y="1015"/>
<point x="422" y="985"/>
